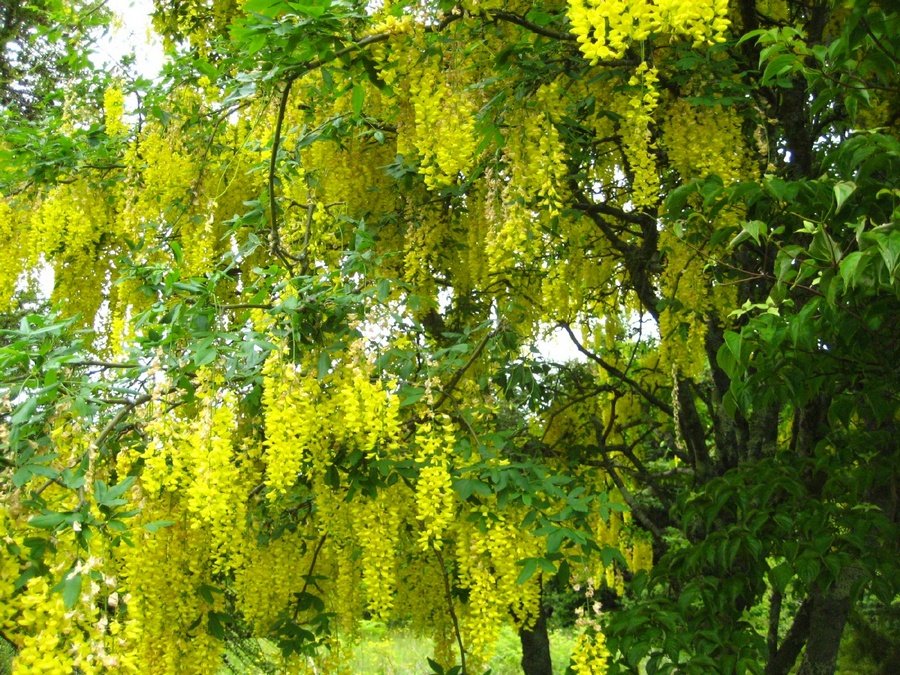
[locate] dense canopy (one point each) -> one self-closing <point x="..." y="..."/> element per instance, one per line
<point x="300" y="363"/>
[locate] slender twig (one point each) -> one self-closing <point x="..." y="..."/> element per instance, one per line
<point x="274" y="237"/>
<point x="452" y="610"/>
<point x="629" y="499"/>
<point x="457" y="376"/>
<point x="246" y="305"/>
<point x="615" y="372"/>
<point x="891" y="55"/>
<point x="509" y="17"/>
<point x="574" y="401"/>
<point x="104" y="434"/>
<point x="312" y="567"/>
<point x="774" y="621"/>
<point x="100" y="364"/>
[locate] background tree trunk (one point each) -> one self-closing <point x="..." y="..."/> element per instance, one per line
<point x="830" y="610"/>
<point x="536" y="647"/>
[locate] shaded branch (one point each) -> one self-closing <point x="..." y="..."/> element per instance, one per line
<point x="509" y="17"/>
<point x="629" y="498"/>
<point x="452" y="610"/>
<point x="457" y="376"/>
<point x="615" y="372"/>
<point x="309" y="573"/>
<point x="787" y="654"/>
<point x="104" y="434"/>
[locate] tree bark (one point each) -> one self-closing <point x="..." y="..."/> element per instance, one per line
<point x="830" y="610"/>
<point x="536" y="647"/>
<point x="783" y="659"/>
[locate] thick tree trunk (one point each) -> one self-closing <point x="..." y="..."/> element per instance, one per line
<point x="830" y="609"/>
<point x="536" y="647"/>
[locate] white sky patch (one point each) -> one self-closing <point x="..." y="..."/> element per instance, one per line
<point x="132" y="32"/>
<point x="556" y="346"/>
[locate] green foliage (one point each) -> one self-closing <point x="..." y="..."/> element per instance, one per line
<point x="765" y="476"/>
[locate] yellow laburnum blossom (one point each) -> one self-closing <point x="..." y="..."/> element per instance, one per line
<point x="641" y="555"/>
<point x="435" y="499"/>
<point x="605" y="29"/>
<point x="444" y="133"/>
<point x="269" y="578"/>
<point x="722" y="152"/>
<point x="114" y="110"/>
<point x="292" y="422"/>
<point x="13" y="258"/>
<point x="377" y="524"/>
<point x="637" y="143"/>
<point x="166" y="623"/>
<point x="590" y="655"/>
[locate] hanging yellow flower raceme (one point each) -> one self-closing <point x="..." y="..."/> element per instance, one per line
<point x="607" y="28"/>
<point x="590" y="655"/>
<point x="114" y="110"/>
<point x="444" y="126"/>
<point x="434" y="490"/>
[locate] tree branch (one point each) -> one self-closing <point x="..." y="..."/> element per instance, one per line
<point x="457" y="376"/>
<point x="509" y="17"/>
<point x="104" y="434"/>
<point x="309" y="573"/>
<point x="452" y="610"/>
<point x="615" y="372"/>
<point x="787" y="654"/>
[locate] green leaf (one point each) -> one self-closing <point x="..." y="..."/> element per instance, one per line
<point x="841" y="192"/>
<point x="323" y="365"/>
<point x="780" y="65"/>
<point x="357" y="99"/>
<point x="850" y="268"/>
<point x="539" y="17"/>
<point x="466" y="487"/>
<point x="529" y="567"/>
<point x="49" y="521"/>
<point x="71" y="589"/>
<point x="314" y="11"/>
<point x="410" y="395"/>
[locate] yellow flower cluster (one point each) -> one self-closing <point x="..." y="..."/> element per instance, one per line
<point x="605" y="29"/>
<point x="307" y="418"/>
<point x="377" y="523"/>
<point x="271" y="575"/>
<point x="469" y="269"/>
<point x="424" y="244"/>
<point x="444" y="132"/>
<point x="683" y="333"/>
<point x="420" y="592"/>
<point x="67" y="228"/>
<point x="166" y="624"/>
<point x="590" y="655"/>
<point x="13" y="258"/>
<point x="487" y="559"/>
<point x="535" y="153"/>
<point x="641" y="558"/>
<point x="637" y="140"/>
<point x="722" y="152"/>
<point x="292" y="421"/>
<point x="435" y="500"/>
<point x="343" y="595"/>
<point x="513" y="239"/>
<point x="216" y="492"/>
<point x="48" y="636"/>
<point x="42" y="620"/>
<point x="114" y="110"/>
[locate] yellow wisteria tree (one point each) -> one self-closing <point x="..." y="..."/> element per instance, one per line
<point x="294" y="370"/>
